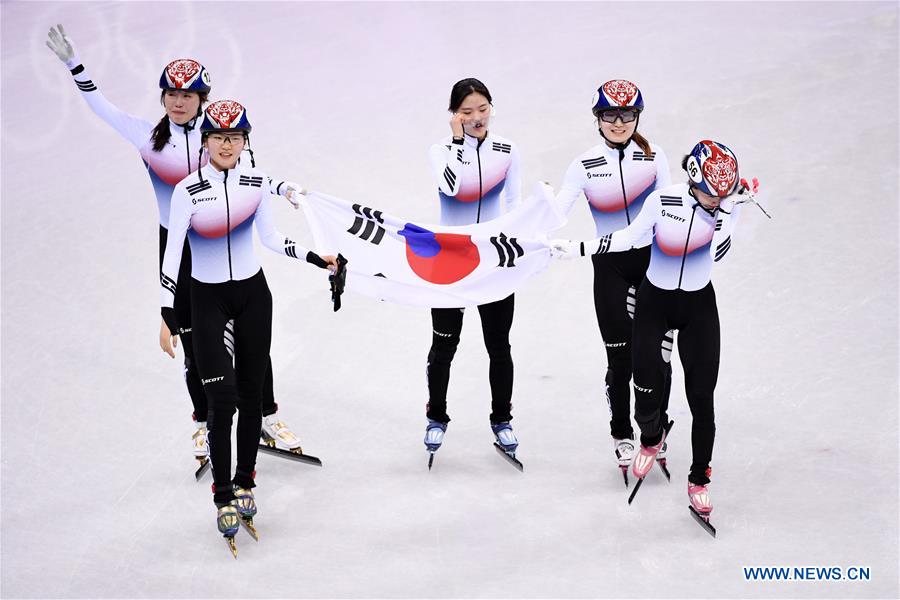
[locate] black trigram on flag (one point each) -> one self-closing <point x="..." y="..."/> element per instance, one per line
<point x="508" y="250"/>
<point x="369" y="217"/>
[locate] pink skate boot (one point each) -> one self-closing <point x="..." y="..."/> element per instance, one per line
<point x="700" y="501"/>
<point x="645" y="458"/>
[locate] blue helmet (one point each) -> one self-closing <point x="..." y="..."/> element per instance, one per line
<point x="185" y="74"/>
<point x="618" y="93"/>
<point x="225" y="115"/>
<point x="712" y="167"/>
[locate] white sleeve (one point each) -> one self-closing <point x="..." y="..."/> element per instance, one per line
<point x="278" y="187"/>
<point x="512" y="189"/>
<point x="179" y="221"/>
<point x="663" y="178"/>
<point x="446" y="165"/>
<point x="725" y="222"/>
<point x="625" y="239"/>
<point x="572" y="187"/>
<point x="273" y="239"/>
<point x="135" y="130"/>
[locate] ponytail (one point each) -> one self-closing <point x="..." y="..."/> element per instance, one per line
<point x="642" y="142"/>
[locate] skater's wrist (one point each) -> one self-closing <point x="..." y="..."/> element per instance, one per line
<point x="168" y="315"/>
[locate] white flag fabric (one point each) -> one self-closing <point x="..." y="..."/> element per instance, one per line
<point x="435" y="266"/>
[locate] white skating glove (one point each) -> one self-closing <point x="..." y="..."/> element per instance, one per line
<point x="564" y="249"/>
<point x="62" y="46"/>
<point x="293" y="191"/>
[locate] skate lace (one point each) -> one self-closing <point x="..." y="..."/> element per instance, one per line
<point x="245" y="502"/>
<point x="199" y="438"/>
<point x="227" y="518"/>
<point x="282" y="431"/>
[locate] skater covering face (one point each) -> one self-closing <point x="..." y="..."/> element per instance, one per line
<point x="470" y="103"/>
<point x="706" y="201"/>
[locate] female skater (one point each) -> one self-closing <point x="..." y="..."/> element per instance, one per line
<point x="478" y="179"/>
<point x="691" y="226"/>
<point x="615" y="177"/>
<point x="216" y="209"/>
<point x="169" y="151"/>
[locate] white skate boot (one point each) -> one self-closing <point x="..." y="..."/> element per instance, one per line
<point x="274" y="430"/>
<point x="624" y="455"/>
<point x="201" y="450"/>
<point x="434" y="437"/>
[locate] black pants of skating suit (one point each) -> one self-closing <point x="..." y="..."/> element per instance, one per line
<point x="228" y="387"/>
<point x="614" y="274"/>
<point x="496" y="321"/>
<point x="696" y="317"/>
<point x="183" y="314"/>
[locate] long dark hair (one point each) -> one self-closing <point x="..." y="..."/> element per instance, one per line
<point x="461" y="89"/>
<point x="162" y="133"/>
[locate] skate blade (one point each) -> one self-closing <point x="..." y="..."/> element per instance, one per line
<point x="703" y="521"/>
<point x="510" y="457"/>
<point x="625" y="475"/>
<point x="430" y="459"/>
<point x="307" y="459"/>
<point x="665" y="471"/>
<point x="634" y="492"/>
<point x="231" y="545"/>
<point x="202" y="469"/>
<point x="247" y="524"/>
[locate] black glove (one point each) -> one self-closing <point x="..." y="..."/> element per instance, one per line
<point x="314" y="259"/>
<point x="337" y="280"/>
<point x="168" y="315"/>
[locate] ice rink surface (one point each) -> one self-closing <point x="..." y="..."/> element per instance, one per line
<point x="98" y="494"/>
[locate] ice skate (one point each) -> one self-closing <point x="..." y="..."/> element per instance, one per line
<point x="228" y="521"/>
<point x="278" y="439"/>
<point x="506" y="443"/>
<point x="434" y="437"/>
<point x="275" y="431"/>
<point x="246" y="507"/>
<point x="624" y="450"/>
<point x="201" y="449"/>
<point x="661" y="460"/>
<point x="701" y="506"/>
<point x="644" y="459"/>
<point x="646" y="456"/>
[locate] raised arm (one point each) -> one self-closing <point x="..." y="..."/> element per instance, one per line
<point x="135" y="130"/>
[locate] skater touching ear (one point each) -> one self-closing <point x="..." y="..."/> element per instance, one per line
<point x="477" y="174"/>
<point x="169" y="150"/>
